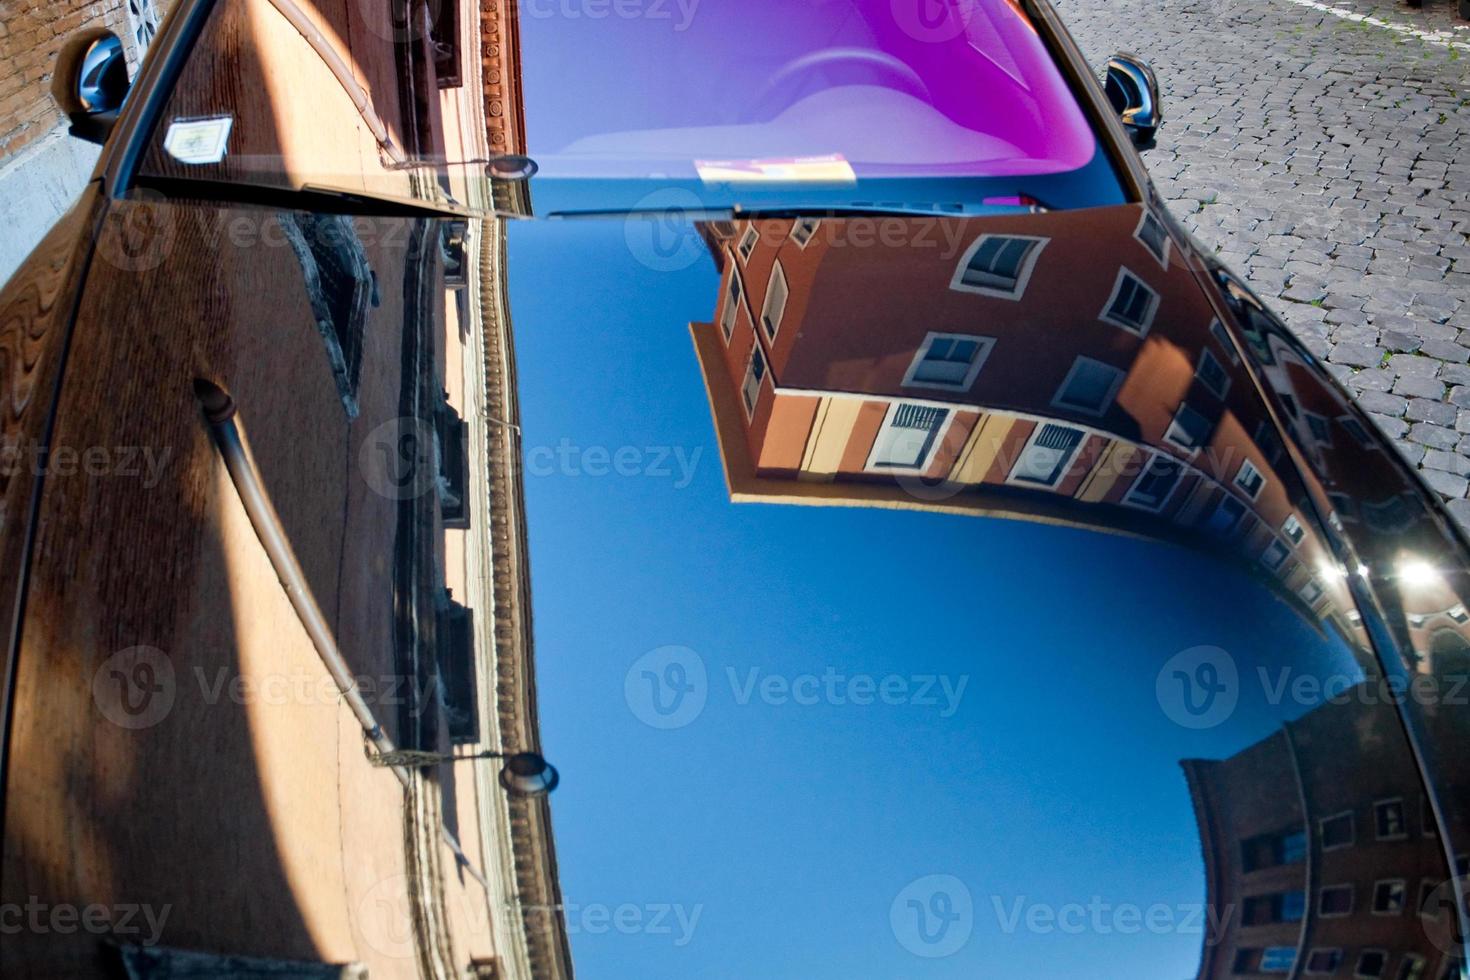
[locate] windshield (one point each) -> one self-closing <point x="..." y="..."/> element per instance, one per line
<point x="548" y="110"/>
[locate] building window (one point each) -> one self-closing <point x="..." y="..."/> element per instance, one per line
<point x="1388" y="897"/>
<point x="1226" y="516"/>
<point x="1310" y="592"/>
<point x="452" y="441"/>
<point x="803" y="230"/>
<point x="1412" y="967"/>
<point x="998" y="265"/>
<point x="341" y="288"/>
<point x="1320" y="428"/>
<point x="1211" y="373"/>
<point x="1189" y="430"/>
<point x="1292" y="528"/>
<point x="1154" y="238"/>
<point x="452" y="248"/>
<point x="1336" y="831"/>
<point x="1250" y="480"/>
<point x="1155" y="484"/>
<point x="755" y="373"/>
<point x="1324" y="961"/>
<point x="1388" y="820"/>
<point x="1279" y="907"/>
<point x="1132" y="305"/>
<point x="948" y="361"/>
<point x="1274" y="555"/>
<point x="1357" y="430"/>
<point x="1269" y="443"/>
<point x="1222" y="337"/>
<point x="774" y="307"/>
<point x="734" y="293"/>
<point x="444" y="43"/>
<point x="1089" y="387"/>
<point x="143" y="23"/>
<point x="1273" y="850"/>
<point x="1371" y="963"/>
<point x="1335" y="901"/>
<point x="1278" y="959"/>
<point x="1430" y="907"/>
<point x="1047" y="455"/>
<point x="908" y="438"/>
<point x="747" y="242"/>
<point x="455" y="636"/>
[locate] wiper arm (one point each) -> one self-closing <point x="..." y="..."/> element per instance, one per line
<point x="313" y="198"/>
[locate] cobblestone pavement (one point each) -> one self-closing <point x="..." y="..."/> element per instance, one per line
<point x="1328" y="160"/>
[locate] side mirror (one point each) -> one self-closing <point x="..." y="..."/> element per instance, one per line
<point x="91" y="82"/>
<point x="1134" y="92"/>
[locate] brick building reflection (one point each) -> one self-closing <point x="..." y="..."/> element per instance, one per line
<point x="1060" y="367"/>
<point x="1321" y="862"/>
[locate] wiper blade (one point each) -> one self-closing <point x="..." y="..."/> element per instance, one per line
<point x="312" y="198"/>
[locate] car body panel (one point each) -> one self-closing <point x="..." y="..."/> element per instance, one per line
<point x="1036" y="606"/>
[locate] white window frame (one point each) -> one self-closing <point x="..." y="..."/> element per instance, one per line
<point x="1128" y="498"/>
<point x="749" y="239"/>
<point x="1062" y="471"/>
<point x="1023" y="274"/>
<point x="1275" y="542"/>
<point x="812" y="224"/>
<point x="1403" y="892"/>
<point x="870" y="466"/>
<point x="1352" y="893"/>
<point x="1119" y="377"/>
<point x="1204" y="354"/>
<point x="1106" y="316"/>
<point x="1168" y="433"/>
<point x="731" y="307"/>
<point x="1352" y="826"/>
<point x="1163" y="260"/>
<point x="1293" y="521"/>
<point x="1403" y="817"/>
<point x="986" y="344"/>
<point x="1247" y="465"/>
<point x="777" y="273"/>
<point x="754" y="403"/>
<point x="1314" y="586"/>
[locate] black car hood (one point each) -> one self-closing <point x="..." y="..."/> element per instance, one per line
<point x="898" y="596"/>
<point x="983" y="626"/>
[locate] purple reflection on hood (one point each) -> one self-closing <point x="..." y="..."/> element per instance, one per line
<point x="897" y="87"/>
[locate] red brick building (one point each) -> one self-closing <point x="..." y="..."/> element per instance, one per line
<point x="1060" y="366"/>
<point x="1320" y="862"/>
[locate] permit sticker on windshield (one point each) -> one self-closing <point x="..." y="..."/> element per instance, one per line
<point x="830" y="169"/>
<point x="198" y="140"/>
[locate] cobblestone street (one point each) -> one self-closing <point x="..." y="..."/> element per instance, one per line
<point x="1327" y="158"/>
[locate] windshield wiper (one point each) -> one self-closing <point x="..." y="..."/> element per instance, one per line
<point x="312" y="198"/>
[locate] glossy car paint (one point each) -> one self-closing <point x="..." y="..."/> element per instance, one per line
<point x="946" y="712"/>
